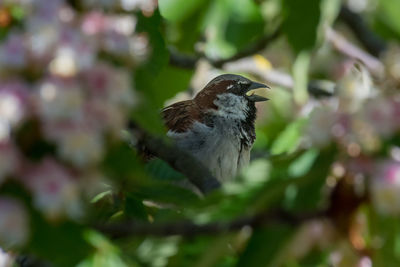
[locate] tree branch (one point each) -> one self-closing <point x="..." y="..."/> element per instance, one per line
<point x="188" y="229"/>
<point x="178" y="159"/>
<point x="345" y="47"/>
<point x="251" y="50"/>
<point x="189" y="62"/>
<point x="372" y="42"/>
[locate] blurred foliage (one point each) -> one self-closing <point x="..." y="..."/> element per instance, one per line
<point x="336" y="157"/>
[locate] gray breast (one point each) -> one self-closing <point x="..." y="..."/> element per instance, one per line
<point x="219" y="147"/>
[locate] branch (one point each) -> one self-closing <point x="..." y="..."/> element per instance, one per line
<point x="251" y="50"/>
<point x="189" y="62"/>
<point x="345" y="47"/>
<point x="372" y="42"/>
<point x="188" y="229"/>
<point x="178" y="159"/>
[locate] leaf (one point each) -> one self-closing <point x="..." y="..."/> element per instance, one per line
<point x="301" y="23"/>
<point x="156" y="81"/>
<point x="106" y="254"/>
<point x="309" y="195"/>
<point x="387" y="231"/>
<point x="62" y="244"/>
<point x="134" y="208"/>
<point x="121" y="162"/>
<point x="166" y="193"/>
<point x="233" y="25"/>
<point x="147" y="113"/>
<point x="159" y="169"/>
<point x="157" y="251"/>
<point x="300" y="76"/>
<point x="289" y="139"/>
<point x="303" y="163"/>
<point x="264" y="245"/>
<point x="215" y="251"/>
<point x="185" y="33"/>
<point x="156" y="89"/>
<point x="178" y="10"/>
<point x="307" y="188"/>
<point x="389" y="14"/>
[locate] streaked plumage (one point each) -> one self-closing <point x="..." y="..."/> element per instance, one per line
<point x="217" y="126"/>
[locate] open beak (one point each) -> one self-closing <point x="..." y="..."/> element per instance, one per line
<point x="250" y="94"/>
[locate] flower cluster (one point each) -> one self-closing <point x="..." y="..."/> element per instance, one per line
<point x="361" y="121"/>
<point x="55" y="89"/>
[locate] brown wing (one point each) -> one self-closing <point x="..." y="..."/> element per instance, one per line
<point x="180" y="116"/>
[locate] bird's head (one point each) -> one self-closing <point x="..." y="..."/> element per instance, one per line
<point x="230" y="95"/>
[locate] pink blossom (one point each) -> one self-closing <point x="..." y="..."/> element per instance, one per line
<point x="94" y="23"/>
<point x="14" y="222"/>
<point x="9" y="160"/>
<point x="14" y="106"/>
<point x="378" y="112"/>
<point x="58" y="99"/>
<point x="6" y="259"/>
<point x="13" y="52"/>
<point x="81" y="146"/>
<point x="110" y="84"/>
<point x="98" y="80"/>
<point x="385" y="188"/>
<point x="54" y="189"/>
<point x="47" y="11"/>
<point x="139" y="47"/>
<point x="319" y="129"/>
<point x="116" y="43"/>
<point x="395" y="103"/>
<point x="103" y="116"/>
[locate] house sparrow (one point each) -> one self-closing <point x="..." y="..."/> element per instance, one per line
<point x="217" y="125"/>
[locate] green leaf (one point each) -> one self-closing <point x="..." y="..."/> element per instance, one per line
<point x="134" y="208"/>
<point x="233" y="25"/>
<point x="308" y="196"/>
<point x="264" y="246"/>
<point x="62" y="244"/>
<point x="185" y="33"/>
<point x="389" y="14"/>
<point x="121" y="164"/>
<point x="215" y="251"/>
<point x="159" y="169"/>
<point x="165" y="193"/>
<point x="303" y="163"/>
<point x="300" y="76"/>
<point x="300" y="194"/>
<point x="178" y="10"/>
<point x="146" y="114"/>
<point x="156" y="251"/>
<point x="106" y="254"/>
<point x="387" y="231"/>
<point x="289" y="139"/>
<point x="301" y="23"/>
<point x="156" y="89"/>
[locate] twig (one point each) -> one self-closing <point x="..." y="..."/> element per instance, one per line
<point x="373" y="43"/>
<point x="178" y="159"/>
<point x="251" y="50"/>
<point x="189" y="62"/>
<point x="188" y="229"/>
<point x="351" y="50"/>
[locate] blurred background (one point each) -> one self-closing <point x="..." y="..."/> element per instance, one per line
<point x="323" y="185"/>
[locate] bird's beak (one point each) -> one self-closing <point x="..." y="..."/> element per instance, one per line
<point x="250" y="94"/>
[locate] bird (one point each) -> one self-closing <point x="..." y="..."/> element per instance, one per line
<point x="217" y="126"/>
